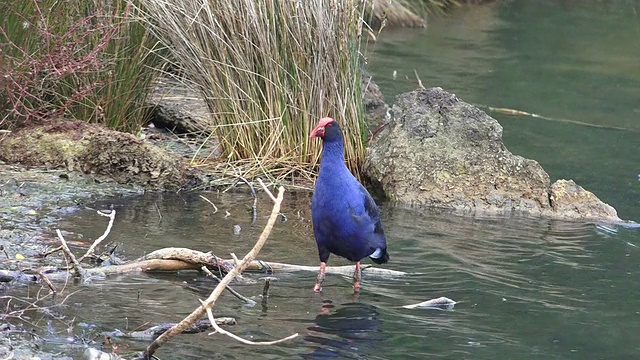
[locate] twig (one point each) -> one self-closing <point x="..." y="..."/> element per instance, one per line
<point x="222" y="331"/>
<point x="112" y="216"/>
<point x="254" y="207"/>
<point x="265" y="289"/>
<point x="266" y="189"/>
<point x="247" y="301"/>
<point x="418" y="78"/>
<point x="76" y="265"/>
<point x="52" y="251"/>
<point x="215" y="208"/>
<point x="211" y="300"/>
<point x="48" y="282"/>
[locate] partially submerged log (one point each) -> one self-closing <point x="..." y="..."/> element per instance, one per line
<point x="180" y="259"/>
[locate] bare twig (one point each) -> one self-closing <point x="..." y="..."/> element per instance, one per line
<point x="112" y="216"/>
<point x="215" y="208"/>
<point x="247" y="301"/>
<point x="48" y="282"/>
<point x="59" y="248"/>
<point x="266" y="189"/>
<point x="210" y="301"/>
<point x="76" y="265"/>
<point x="222" y="331"/>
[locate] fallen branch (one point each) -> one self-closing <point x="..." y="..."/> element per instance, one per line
<point x="210" y="301"/>
<point x="180" y="259"/>
<point x="246" y="300"/>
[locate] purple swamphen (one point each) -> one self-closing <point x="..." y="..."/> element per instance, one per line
<point x="346" y="220"/>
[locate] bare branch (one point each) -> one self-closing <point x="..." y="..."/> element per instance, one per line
<point x="112" y="216"/>
<point x="76" y="265"/>
<point x="48" y="282"/>
<point x="266" y="189"/>
<point x="222" y="331"/>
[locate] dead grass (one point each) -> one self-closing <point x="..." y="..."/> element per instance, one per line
<point x="268" y="71"/>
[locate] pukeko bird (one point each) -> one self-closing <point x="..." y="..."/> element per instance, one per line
<point x="346" y="220"/>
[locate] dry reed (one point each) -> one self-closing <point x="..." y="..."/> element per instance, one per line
<point x="268" y="71"/>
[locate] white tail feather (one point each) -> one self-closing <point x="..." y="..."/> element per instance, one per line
<point x="376" y="254"/>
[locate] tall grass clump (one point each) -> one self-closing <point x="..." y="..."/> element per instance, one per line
<point x="269" y="70"/>
<point x="74" y="59"/>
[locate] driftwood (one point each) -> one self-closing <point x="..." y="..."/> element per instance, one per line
<point x="179" y="259"/>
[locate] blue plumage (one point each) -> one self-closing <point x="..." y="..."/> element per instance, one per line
<point x="346" y="220"/>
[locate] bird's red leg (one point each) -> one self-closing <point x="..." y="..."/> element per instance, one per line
<point x="320" y="279"/>
<point x="356" y="278"/>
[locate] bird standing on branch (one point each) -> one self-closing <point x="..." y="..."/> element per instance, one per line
<point x="346" y="220"/>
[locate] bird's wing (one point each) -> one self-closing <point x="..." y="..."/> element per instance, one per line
<point x="365" y="212"/>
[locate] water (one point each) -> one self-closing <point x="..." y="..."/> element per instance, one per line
<point x="527" y="288"/>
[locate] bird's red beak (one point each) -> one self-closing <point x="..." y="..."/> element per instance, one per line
<point x="318" y="131"/>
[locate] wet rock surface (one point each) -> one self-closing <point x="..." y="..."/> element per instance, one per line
<point x="442" y="152"/>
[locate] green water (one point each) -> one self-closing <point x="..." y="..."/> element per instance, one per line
<point x="527" y="288"/>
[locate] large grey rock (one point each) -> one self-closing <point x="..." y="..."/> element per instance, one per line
<point x="442" y="152"/>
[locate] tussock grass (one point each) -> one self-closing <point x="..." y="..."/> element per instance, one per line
<point x="74" y="59"/>
<point x="269" y="70"/>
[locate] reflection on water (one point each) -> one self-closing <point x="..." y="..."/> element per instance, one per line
<point x="344" y="331"/>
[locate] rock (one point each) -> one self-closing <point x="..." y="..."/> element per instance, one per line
<point x="570" y="200"/>
<point x="105" y="154"/>
<point x="442" y="152"/>
<point x="375" y="109"/>
<point x="178" y="108"/>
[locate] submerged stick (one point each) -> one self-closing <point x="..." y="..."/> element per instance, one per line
<point x="154" y="331"/>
